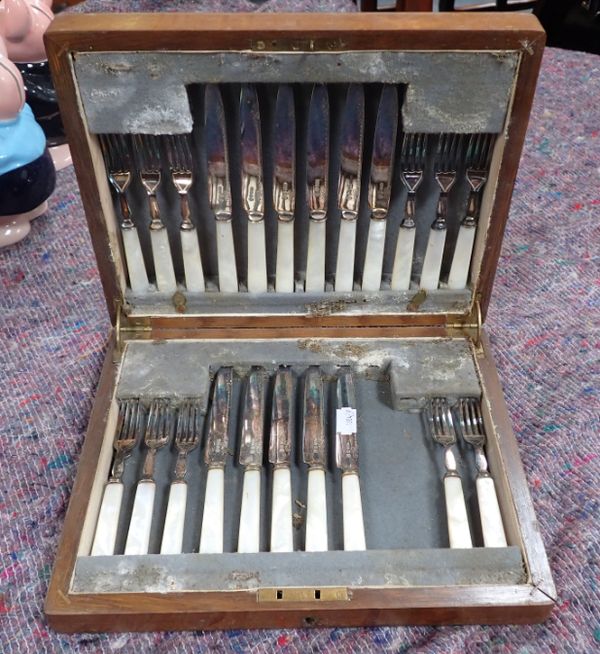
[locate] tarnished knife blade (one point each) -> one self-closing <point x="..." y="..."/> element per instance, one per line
<point x="318" y="151"/>
<point x="253" y="419"/>
<point x="282" y="422"/>
<point x="252" y="172"/>
<point x="352" y="148"/>
<point x="313" y="430"/>
<point x="285" y="152"/>
<point x="218" y="430"/>
<point x="346" y="453"/>
<point x="384" y="145"/>
<point x="219" y="189"/>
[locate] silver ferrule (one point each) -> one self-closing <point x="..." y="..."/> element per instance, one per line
<point x="118" y="466"/>
<point x="253" y="197"/>
<point x="450" y="462"/>
<point x="313" y="430"/>
<point x="215" y="455"/>
<point x="253" y="420"/>
<point x="219" y="196"/>
<point x="282" y="419"/>
<point x="283" y="199"/>
<point x="379" y="199"/>
<point x="317" y="200"/>
<point x="349" y="196"/>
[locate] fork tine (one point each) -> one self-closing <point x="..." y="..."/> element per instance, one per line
<point x="123" y="419"/>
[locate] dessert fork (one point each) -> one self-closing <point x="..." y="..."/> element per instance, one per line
<point x="148" y="153"/>
<point x="117" y="158"/>
<point x="412" y="163"/>
<point x="187" y="436"/>
<point x="471" y="424"/>
<point x="478" y="160"/>
<point x="179" y="154"/>
<point x="443" y="432"/>
<point x="129" y="424"/>
<point x="159" y="429"/>
<point x="446" y="164"/>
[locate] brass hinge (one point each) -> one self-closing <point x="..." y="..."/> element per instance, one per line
<point x="470" y="326"/>
<point x="303" y="594"/>
<point x="127" y="328"/>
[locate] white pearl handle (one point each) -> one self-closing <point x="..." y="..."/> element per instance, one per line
<point x="249" y="533"/>
<point x="192" y="261"/>
<point x="403" y="259"/>
<point x="136" y="269"/>
<point x="456" y="513"/>
<point x="315" y="260"/>
<point x="257" y="258"/>
<point x="344" y="270"/>
<point x="228" y="280"/>
<point x="373" y="267"/>
<point x="489" y="512"/>
<point x="316" y="513"/>
<point x="284" y="267"/>
<point x="211" y="535"/>
<point x="282" y="534"/>
<point x="432" y="264"/>
<point x="172" y="539"/>
<point x="461" y="261"/>
<point x="108" y="520"/>
<point x="354" y="528"/>
<point x="138" y="535"/>
<point x="163" y="261"/>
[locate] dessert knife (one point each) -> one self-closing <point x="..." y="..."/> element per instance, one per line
<point x="346" y="457"/>
<point x="317" y="172"/>
<point x="215" y="457"/>
<point x="315" y="456"/>
<point x="280" y="449"/>
<point x="349" y="185"/>
<point x="252" y="189"/>
<point x="251" y="458"/>
<point x="380" y="186"/>
<point x="284" y="187"/>
<point x="219" y="189"/>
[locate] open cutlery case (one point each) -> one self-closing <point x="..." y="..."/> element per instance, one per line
<point x="301" y="135"/>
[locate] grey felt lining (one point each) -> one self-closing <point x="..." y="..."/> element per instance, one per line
<point x="211" y="572"/>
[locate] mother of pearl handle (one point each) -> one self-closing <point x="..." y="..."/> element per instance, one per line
<point x="403" y="259"/>
<point x="138" y="535"/>
<point x="163" y="261"/>
<point x="211" y="535"/>
<point x="257" y="258"/>
<point x="344" y="271"/>
<point x="373" y="267"/>
<point x="282" y="534"/>
<point x="192" y="261"/>
<point x="108" y="520"/>
<point x="456" y="513"/>
<point x="461" y="261"/>
<point x="432" y="264"/>
<point x="249" y="533"/>
<point x="354" y="528"/>
<point x="136" y="269"/>
<point x="315" y="260"/>
<point x="172" y="540"/>
<point x="489" y="512"/>
<point x="284" y="266"/>
<point x="228" y="280"/>
<point x="316" y="512"/>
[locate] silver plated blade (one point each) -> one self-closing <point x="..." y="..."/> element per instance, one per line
<point x="346" y="451"/>
<point x="252" y="171"/>
<point x="352" y="148"/>
<point x="282" y="418"/>
<point x="217" y="441"/>
<point x="285" y="154"/>
<point x="384" y="145"/>
<point x="318" y="152"/>
<point x="313" y="430"/>
<point x="219" y="189"/>
<point x="253" y="419"/>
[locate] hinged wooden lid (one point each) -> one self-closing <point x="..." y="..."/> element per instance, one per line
<point x="252" y="37"/>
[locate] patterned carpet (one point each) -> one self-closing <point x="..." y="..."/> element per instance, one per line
<point x="544" y="323"/>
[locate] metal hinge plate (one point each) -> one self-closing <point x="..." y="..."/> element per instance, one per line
<point x="126" y="329"/>
<point x="470" y="327"/>
<point x="303" y="594"/>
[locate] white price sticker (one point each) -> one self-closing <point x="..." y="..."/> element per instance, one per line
<point x="345" y="420"/>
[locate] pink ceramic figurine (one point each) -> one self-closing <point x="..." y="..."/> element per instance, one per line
<point x="27" y="175"/>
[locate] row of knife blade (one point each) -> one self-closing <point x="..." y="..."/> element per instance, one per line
<point x="160" y="428"/>
<point x="320" y="121"/>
